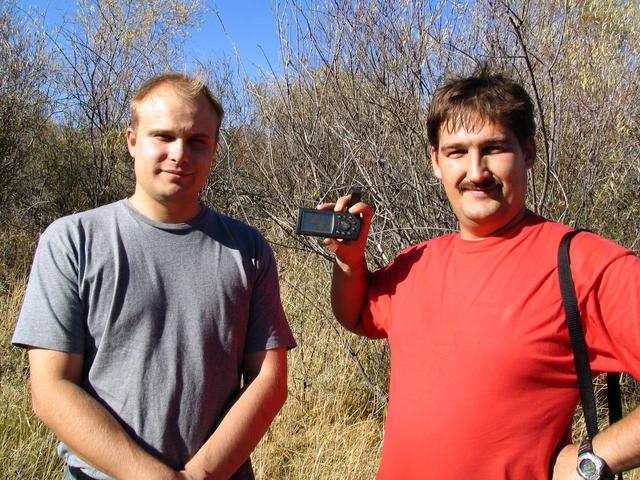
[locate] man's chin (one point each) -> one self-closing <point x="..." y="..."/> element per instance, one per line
<point x="481" y="213"/>
<point x="490" y="221"/>
<point x="178" y="195"/>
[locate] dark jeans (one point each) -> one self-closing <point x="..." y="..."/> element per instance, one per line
<point x="73" y="473"/>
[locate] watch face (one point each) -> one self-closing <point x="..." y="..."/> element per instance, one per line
<point x="587" y="468"/>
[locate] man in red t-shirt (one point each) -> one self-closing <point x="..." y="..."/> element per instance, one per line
<point x="482" y="381"/>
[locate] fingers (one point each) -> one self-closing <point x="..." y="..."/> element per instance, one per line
<point x="349" y="251"/>
<point x="331" y="244"/>
<point x="343" y="202"/>
<point x="339" y="206"/>
<point x="325" y="206"/>
<point x="364" y="210"/>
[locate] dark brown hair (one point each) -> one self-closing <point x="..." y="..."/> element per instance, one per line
<point x="184" y="85"/>
<point x="462" y="102"/>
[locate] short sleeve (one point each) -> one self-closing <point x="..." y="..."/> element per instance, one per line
<point x="377" y="309"/>
<point x="52" y="314"/>
<point x="607" y="279"/>
<point x="268" y="327"/>
<point x="613" y="312"/>
<point x="383" y="300"/>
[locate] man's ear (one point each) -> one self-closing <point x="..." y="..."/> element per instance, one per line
<point x="435" y="165"/>
<point x="529" y="150"/>
<point x="130" y="134"/>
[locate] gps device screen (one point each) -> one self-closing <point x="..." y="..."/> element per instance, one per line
<point x="318" y="222"/>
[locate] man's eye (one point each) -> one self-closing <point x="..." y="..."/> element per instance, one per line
<point x="200" y="143"/>
<point x="455" y="153"/>
<point x="494" y="149"/>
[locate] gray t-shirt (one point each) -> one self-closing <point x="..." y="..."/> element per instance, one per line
<point x="163" y="314"/>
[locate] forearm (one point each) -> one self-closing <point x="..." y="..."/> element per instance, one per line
<point x="241" y="428"/>
<point x="350" y="280"/>
<point x="348" y="293"/>
<point x="618" y="445"/>
<point x="93" y="434"/>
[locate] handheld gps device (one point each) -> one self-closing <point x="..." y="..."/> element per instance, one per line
<point x="329" y="224"/>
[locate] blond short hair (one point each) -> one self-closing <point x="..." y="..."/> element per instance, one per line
<point x="188" y="87"/>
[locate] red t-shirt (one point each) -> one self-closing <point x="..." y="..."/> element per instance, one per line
<point x="483" y="384"/>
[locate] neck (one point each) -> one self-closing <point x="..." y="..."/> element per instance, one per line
<point x="476" y="232"/>
<point x="166" y="212"/>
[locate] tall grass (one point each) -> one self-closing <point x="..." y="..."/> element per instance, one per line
<point x="330" y="427"/>
<point x="27" y="448"/>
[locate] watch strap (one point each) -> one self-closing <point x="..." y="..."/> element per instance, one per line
<point x="586" y="447"/>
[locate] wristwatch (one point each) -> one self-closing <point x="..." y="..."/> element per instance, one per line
<point x="591" y="466"/>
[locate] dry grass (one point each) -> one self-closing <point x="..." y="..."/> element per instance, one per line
<point x="26" y="446"/>
<point x="331" y="426"/>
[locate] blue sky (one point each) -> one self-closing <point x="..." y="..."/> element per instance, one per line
<point x="247" y="27"/>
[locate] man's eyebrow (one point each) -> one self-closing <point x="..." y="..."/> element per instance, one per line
<point x="455" y="146"/>
<point x="447" y="146"/>
<point x="502" y="139"/>
<point x="169" y="133"/>
<point x="161" y="132"/>
<point x="497" y="139"/>
<point x="201" y="135"/>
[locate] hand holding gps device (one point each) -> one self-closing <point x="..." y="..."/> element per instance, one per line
<point x="329" y="224"/>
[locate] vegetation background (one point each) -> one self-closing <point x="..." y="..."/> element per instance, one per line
<point x="348" y="108"/>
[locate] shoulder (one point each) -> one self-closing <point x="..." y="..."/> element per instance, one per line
<point x="75" y="227"/>
<point x="590" y="254"/>
<point x="539" y="230"/>
<point x="431" y="246"/>
<point x="235" y="234"/>
<point x="231" y="224"/>
<point x="584" y="241"/>
<point x="597" y="245"/>
<point x="594" y="256"/>
<point x="417" y="254"/>
<point x="231" y="227"/>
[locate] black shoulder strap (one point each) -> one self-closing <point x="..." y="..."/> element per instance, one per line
<point x="580" y="356"/>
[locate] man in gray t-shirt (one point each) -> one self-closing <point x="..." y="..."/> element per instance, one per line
<point x="157" y="339"/>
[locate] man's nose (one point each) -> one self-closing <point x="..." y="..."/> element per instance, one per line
<point x="477" y="170"/>
<point x="178" y="151"/>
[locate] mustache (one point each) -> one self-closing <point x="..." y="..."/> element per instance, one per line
<point x="490" y="182"/>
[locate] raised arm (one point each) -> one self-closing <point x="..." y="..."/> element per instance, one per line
<point x="262" y="396"/>
<point x="83" y="424"/>
<point x="350" y="275"/>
